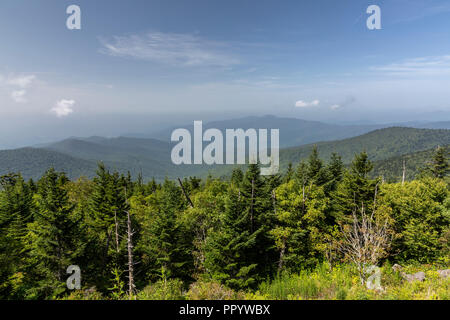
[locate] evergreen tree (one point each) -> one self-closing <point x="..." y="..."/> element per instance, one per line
<point x="439" y="164"/>
<point x="164" y="244"/>
<point x="316" y="172"/>
<point x="356" y="190"/>
<point x="237" y="176"/>
<point x="249" y="255"/>
<point x="289" y="173"/>
<point x="108" y="206"/>
<point x="226" y="248"/>
<point x="16" y="212"/>
<point x="335" y="171"/>
<point x="52" y="238"/>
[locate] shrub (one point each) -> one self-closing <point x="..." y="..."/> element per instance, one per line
<point x="89" y="294"/>
<point x="211" y="290"/>
<point x="163" y="290"/>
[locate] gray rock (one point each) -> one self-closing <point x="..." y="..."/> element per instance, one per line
<point x="419" y="276"/>
<point x="444" y="273"/>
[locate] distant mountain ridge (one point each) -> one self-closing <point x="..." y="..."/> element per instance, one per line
<point x="33" y="162"/>
<point x="151" y="157"/>
<point x="293" y="131"/>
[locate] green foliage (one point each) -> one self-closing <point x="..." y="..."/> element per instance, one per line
<point x="356" y="190"/>
<point x="391" y="169"/>
<point x="16" y="211"/>
<point x="52" y="237"/>
<point x="379" y="144"/>
<point x="211" y="290"/>
<point x="420" y="218"/>
<point x="163" y="290"/>
<point x="249" y="237"/>
<point x="439" y="165"/>
<point x="165" y="243"/>
<point x="240" y="253"/>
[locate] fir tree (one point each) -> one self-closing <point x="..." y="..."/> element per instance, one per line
<point x="241" y="252"/>
<point x="356" y="190"/>
<point x="165" y="245"/>
<point x="16" y="212"/>
<point x="439" y="164"/>
<point x="53" y="237"/>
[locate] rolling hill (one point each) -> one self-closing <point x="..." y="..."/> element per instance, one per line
<point x="151" y="157"/>
<point x="379" y="144"/>
<point x="293" y="132"/>
<point x="33" y="162"/>
<point x="296" y="132"/>
<point x="392" y="169"/>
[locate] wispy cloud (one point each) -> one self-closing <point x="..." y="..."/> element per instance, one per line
<point x="170" y="48"/>
<point x="21" y="81"/>
<point x="423" y="66"/>
<point x="335" y="106"/>
<point x="305" y="104"/>
<point x="63" y="108"/>
<point x="19" y="96"/>
<point x="344" y="103"/>
<point x="17" y="84"/>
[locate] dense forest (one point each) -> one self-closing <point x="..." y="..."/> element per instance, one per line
<point x="311" y="232"/>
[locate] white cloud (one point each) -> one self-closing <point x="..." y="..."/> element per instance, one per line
<point x="335" y="107"/>
<point x="170" y="48"/>
<point x="63" y="108"/>
<point x="17" y="85"/>
<point x="423" y="66"/>
<point x="19" y="96"/>
<point x="305" y="104"/>
<point x="21" y="81"/>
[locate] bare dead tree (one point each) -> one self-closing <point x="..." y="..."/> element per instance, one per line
<point x="116" y="231"/>
<point x="274" y="202"/>
<point x="185" y="193"/>
<point x="366" y="240"/>
<point x="282" y="253"/>
<point x="251" y="205"/>
<point x="130" y="233"/>
<point x="404" y="172"/>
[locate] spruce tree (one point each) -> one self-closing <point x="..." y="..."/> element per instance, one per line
<point x="289" y="173"/>
<point x="439" y="164"/>
<point x="316" y="171"/>
<point x="16" y="212"/>
<point x="335" y="170"/>
<point x="108" y="206"/>
<point x="53" y="237"/>
<point x="237" y="176"/>
<point x="241" y="253"/>
<point x="226" y="249"/>
<point x="165" y="246"/>
<point x="356" y="190"/>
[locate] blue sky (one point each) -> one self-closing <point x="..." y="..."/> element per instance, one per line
<point x="136" y="65"/>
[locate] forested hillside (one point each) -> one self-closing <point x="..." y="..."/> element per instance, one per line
<point x="248" y="237"/>
<point x="392" y="169"/>
<point x="32" y="162"/>
<point x="379" y="144"/>
<point x="151" y="158"/>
